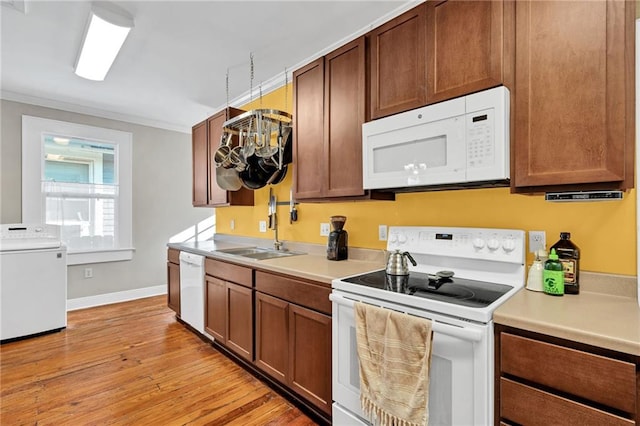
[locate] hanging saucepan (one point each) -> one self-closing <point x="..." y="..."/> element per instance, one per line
<point x="228" y="179"/>
<point x="221" y="156"/>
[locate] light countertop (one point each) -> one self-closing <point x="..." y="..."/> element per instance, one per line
<point x="603" y="320"/>
<point x="312" y="266"/>
<point x="605" y="313"/>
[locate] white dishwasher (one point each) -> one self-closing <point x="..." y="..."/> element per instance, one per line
<point x="33" y="281"/>
<point x="192" y="290"/>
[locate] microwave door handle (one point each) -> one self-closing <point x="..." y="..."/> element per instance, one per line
<point x="466" y="334"/>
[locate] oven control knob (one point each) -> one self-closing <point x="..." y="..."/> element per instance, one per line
<point x="493" y="244"/>
<point x="402" y="238"/>
<point x="478" y="243"/>
<point x="393" y="238"/>
<point x="508" y="245"/>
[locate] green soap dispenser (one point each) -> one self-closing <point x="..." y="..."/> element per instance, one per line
<point x="553" y="275"/>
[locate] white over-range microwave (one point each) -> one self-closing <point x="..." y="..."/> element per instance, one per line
<point x="460" y="142"/>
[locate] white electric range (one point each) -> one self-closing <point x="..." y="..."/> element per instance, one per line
<point x="488" y="267"/>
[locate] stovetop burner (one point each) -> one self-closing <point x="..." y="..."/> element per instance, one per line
<point x="454" y="290"/>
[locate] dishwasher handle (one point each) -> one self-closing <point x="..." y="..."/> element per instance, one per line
<point x="191" y="259"/>
<point x="463" y="333"/>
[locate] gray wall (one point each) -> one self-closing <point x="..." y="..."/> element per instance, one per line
<point x="161" y="197"/>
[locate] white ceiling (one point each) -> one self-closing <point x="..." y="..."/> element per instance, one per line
<point x="171" y="70"/>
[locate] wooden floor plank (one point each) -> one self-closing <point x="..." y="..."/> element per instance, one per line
<point x="131" y="363"/>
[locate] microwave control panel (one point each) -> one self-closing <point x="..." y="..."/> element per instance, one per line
<point x="480" y="144"/>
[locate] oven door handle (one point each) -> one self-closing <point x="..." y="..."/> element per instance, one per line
<point x="467" y="334"/>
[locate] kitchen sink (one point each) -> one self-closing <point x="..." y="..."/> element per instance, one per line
<point x="259" y="253"/>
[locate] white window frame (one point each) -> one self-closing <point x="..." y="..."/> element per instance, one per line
<point x="33" y="130"/>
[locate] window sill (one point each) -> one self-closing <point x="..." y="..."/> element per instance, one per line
<point x="99" y="256"/>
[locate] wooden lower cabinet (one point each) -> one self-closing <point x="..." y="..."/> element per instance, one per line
<point x="229" y="313"/>
<point x="215" y="322"/>
<point x="272" y="336"/>
<point x="543" y="380"/>
<point x="293" y="342"/>
<point x="310" y="355"/>
<point x="173" y="280"/>
<point x="240" y="320"/>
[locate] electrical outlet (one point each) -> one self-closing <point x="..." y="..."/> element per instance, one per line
<point x="88" y="272"/>
<point x="537" y="241"/>
<point x="382" y="232"/>
<point x="324" y="229"/>
<point x="263" y="226"/>
<point x="232" y="224"/>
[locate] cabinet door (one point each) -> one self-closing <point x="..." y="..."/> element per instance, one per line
<point x="216" y="194"/>
<point x="200" y="154"/>
<point x="344" y="86"/>
<point x="173" y="287"/>
<point x="574" y="93"/>
<point x="464" y="47"/>
<point x="216" y="309"/>
<point x="308" y="136"/>
<point x="272" y="336"/>
<point x="398" y="64"/>
<point x="240" y="320"/>
<point x="310" y="356"/>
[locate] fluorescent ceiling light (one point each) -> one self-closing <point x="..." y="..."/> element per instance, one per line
<point x="105" y="34"/>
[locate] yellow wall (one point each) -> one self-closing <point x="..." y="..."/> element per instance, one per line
<point x="604" y="231"/>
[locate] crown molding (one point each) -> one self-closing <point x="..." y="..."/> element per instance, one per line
<point x="96" y="112"/>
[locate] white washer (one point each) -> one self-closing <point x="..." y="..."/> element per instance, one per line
<point x="33" y="281"/>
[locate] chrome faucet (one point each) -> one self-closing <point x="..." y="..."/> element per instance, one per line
<point x="273" y="220"/>
<point x="277" y="244"/>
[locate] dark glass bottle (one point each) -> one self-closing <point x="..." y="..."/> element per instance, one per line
<point x="569" y="255"/>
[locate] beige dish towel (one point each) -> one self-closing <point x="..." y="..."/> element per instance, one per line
<point x="394" y="350"/>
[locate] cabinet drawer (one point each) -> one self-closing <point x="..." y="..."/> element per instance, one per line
<point x="173" y="255"/>
<point x="603" y="380"/>
<point x="229" y="272"/>
<point x="309" y="295"/>
<point x="529" y="406"/>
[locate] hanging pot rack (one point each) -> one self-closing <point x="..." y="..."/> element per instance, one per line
<point x="246" y="122"/>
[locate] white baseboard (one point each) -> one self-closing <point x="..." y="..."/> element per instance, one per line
<point x="120" y="296"/>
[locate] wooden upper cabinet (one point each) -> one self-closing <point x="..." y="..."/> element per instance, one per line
<point x="329" y="109"/>
<point x="398" y="64"/>
<point x="344" y="111"/>
<point x="206" y="139"/>
<point x="200" y="152"/>
<point x="308" y="135"/>
<point x="464" y="47"/>
<point x="574" y="95"/>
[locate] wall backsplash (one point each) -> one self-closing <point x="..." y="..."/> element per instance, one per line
<point x="604" y="231"/>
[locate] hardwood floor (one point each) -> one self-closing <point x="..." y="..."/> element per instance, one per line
<point x="131" y="363"/>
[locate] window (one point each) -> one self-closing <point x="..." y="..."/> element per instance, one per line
<point x="79" y="177"/>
